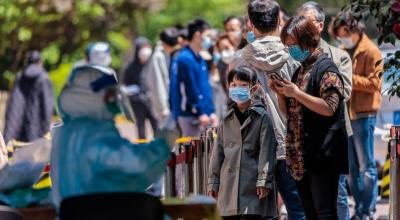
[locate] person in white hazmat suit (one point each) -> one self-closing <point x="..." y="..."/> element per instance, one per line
<point x="89" y="155"/>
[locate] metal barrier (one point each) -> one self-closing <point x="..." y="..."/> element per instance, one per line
<point x="394" y="151"/>
<point x="187" y="170"/>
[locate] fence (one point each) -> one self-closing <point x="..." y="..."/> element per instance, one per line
<point x="187" y="169"/>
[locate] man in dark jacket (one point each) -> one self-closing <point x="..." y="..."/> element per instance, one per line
<point x="30" y="107"/>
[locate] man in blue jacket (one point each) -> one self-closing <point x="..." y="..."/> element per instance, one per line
<point x="190" y="91"/>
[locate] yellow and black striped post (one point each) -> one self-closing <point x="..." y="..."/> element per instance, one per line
<point x="385" y="185"/>
<point x="44" y="180"/>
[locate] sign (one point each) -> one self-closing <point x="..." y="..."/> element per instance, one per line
<point x="396" y="118"/>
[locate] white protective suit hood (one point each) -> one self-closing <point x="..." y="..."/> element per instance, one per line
<point x="78" y="99"/>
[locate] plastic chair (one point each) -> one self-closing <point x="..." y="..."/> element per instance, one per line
<point x="111" y="206"/>
<point x="8" y="213"/>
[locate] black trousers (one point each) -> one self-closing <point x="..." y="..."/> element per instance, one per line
<point x="318" y="194"/>
<point x="143" y="112"/>
<point x="242" y="217"/>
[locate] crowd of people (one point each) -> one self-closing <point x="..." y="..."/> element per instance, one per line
<point x="295" y="115"/>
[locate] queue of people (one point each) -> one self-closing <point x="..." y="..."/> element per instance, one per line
<point x="295" y="115"/>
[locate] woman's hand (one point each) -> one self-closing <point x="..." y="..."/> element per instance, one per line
<point x="262" y="192"/>
<point x="213" y="194"/>
<point x="287" y="88"/>
<point x="272" y="85"/>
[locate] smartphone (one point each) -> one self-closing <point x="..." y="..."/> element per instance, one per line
<point x="275" y="77"/>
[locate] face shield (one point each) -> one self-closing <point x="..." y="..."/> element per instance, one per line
<point x="99" y="54"/>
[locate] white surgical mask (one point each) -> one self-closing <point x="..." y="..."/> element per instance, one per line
<point x="144" y="54"/>
<point x="347" y="42"/>
<point x="227" y="56"/>
<point x="238" y="34"/>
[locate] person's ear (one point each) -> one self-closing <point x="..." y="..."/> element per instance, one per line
<point x="197" y="34"/>
<point x="347" y="30"/>
<point x="321" y="26"/>
<point x="250" y="25"/>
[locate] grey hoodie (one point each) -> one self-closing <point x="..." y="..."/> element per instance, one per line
<point x="267" y="55"/>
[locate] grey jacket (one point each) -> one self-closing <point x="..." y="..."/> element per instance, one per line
<point x="264" y="56"/>
<point x="343" y="61"/>
<point x="243" y="159"/>
<point x="156" y="77"/>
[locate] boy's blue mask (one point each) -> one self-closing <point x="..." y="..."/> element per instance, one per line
<point x="251" y="37"/>
<point x="298" y="54"/>
<point x="239" y="94"/>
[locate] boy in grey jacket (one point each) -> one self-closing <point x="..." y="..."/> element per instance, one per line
<point x="241" y="172"/>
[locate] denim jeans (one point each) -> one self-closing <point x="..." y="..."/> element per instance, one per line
<point x="363" y="178"/>
<point x="288" y="191"/>
<point x="342" y="203"/>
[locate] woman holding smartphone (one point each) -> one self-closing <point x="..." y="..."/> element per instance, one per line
<point x="316" y="136"/>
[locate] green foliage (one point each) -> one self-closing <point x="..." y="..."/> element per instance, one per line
<point x="387" y="16"/>
<point x="329" y="5"/>
<point x="182" y="11"/>
<point x="62" y="29"/>
<point x="59" y="76"/>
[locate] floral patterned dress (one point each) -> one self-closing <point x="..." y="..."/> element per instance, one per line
<point x="331" y="89"/>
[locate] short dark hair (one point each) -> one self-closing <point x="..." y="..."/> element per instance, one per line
<point x="230" y="18"/>
<point x="169" y="36"/>
<point x="245" y="74"/>
<point x="197" y="25"/>
<point x="182" y="30"/>
<point x="303" y="31"/>
<point x="344" y="18"/>
<point x="264" y="14"/>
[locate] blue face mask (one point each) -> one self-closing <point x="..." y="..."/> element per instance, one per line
<point x="298" y="54"/>
<point x="216" y="58"/>
<point x="206" y="43"/>
<point x="239" y="94"/>
<point x="251" y="37"/>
